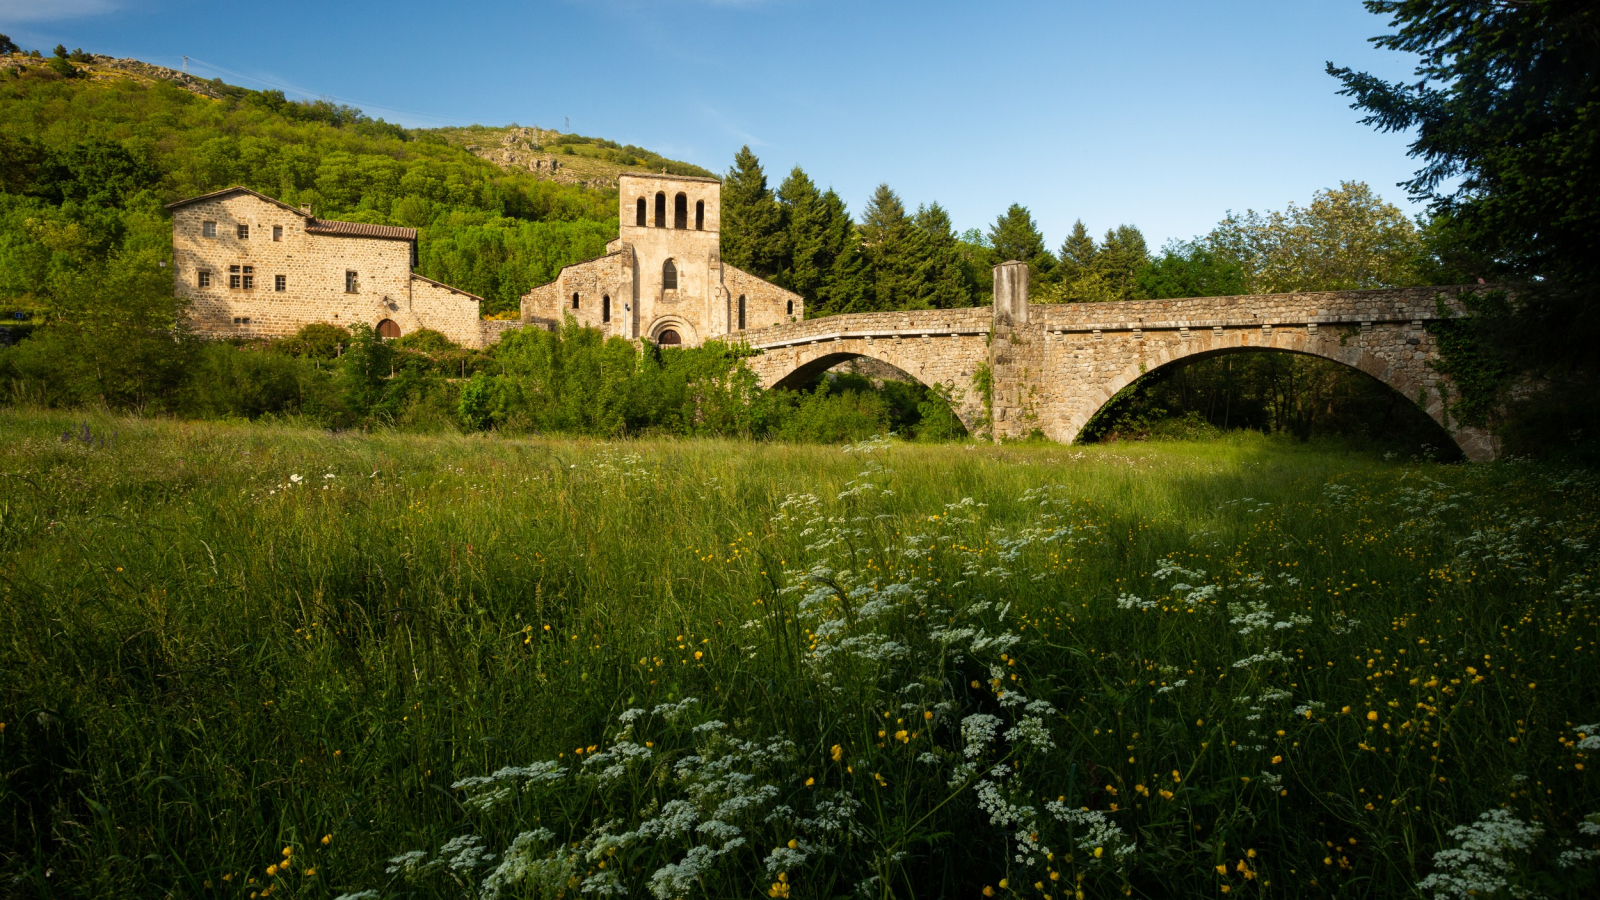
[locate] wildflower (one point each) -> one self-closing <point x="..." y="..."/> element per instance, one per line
<point x="1005" y="883"/>
<point x="1372" y="716"/>
<point x="810" y="782"/>
<point x="837" y="752"/>
<point x="1276" y="760"/>
<point x="1165" y="794"/>
<point x="988" y="891"/>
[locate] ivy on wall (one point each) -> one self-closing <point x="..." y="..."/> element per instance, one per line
<point x="1479" y="374"/>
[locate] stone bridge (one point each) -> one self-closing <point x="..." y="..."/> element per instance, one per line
<point x="1051" y="367"/>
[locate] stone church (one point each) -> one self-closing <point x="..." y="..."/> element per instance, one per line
<point x="663" y="278"/>
<point x="251" y="266"/>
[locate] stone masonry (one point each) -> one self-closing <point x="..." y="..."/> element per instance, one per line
<point x="1052" y="367"/>
<point x="251" y="266"/>
<point x="663" y="278"/>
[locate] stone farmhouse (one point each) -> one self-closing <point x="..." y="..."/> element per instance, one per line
<point x="252" y="266"/>
<point x="663" y="278"/>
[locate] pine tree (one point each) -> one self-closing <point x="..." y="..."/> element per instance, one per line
<point x="886" y="232"/>
<point x="1077" y="253"/>
<point x="1014" y="236"/>
<point x="808" y="255"/>
<point x="1122" y="254"/>
<point x="752" y="223"/>
<point x="941" y="271"/>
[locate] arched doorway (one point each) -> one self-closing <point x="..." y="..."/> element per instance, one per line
<point x="669" y="338"/>
<point x="388" y="329"/>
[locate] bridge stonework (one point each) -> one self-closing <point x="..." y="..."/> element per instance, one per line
<point x="1016" y="369"/>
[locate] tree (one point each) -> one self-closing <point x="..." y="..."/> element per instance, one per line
<point x="1504" y="113"/>
<point x="1077" y="253"/>
<point x="59" y="63"/>
<point x="1189" y="269"/>
<point x="886" y="234"/>
<point x="752" y="224"/>
<point x="1506" y="116"/>
<point x="1122" y="254"/>
<point x="940" y="272"/>
<point x="1014" y="236"/>
<point x="8" y="46"/>
<point x="1347" y="238"/>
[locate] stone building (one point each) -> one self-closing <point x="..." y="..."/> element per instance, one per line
<point x="251" y="266"/>
<point x="663" y="278"/>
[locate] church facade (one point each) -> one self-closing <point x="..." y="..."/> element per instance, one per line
<point x="663" y="278"/>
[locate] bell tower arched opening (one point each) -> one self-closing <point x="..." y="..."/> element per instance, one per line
<point x="661" y="209"/>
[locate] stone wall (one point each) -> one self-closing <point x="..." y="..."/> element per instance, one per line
<point x="312" y="269"/>
<point x="581" y="290"/>
<point x="766" y="304"/>
<point x="1052" y="367"/>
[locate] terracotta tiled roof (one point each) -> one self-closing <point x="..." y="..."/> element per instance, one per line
<point x="237" y="189"/>
<point x="440" y="284"/>
<point x="314" y="225"/>
<point x="360" y="229"/>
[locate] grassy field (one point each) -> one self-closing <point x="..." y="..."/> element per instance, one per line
<point x="246" y="661"/>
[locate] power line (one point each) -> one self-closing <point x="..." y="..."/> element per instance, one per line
<point x="312" y="94"/>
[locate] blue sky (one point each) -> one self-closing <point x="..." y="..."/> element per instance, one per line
<point x="1162" y="115"/>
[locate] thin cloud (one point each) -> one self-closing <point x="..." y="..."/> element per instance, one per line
<point x="52" y="10"/>
<point x="732" y="129"/>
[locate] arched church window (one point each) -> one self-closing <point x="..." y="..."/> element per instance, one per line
<point x="605" y="308"/>
<point x="791" y="308"/>
<point x="668" y="338"/>
<point x="639" y="215"/>
<point x="680" y="211"/>
<point x="661" y="209"/>
<point x="574" y="301"/>
<point x="699" y="215"/>
<point x="669" y="276"/>
<point x="741" y="312"/>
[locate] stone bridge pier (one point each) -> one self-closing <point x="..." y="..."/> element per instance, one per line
<point x="1016" y="369"/>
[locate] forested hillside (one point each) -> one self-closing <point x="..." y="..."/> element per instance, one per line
<point x="88" y="153"/>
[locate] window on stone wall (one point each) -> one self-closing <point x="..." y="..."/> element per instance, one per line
<point x="202" y="278"/>
<point x="791" y="308"/>
<point x="208" y="229"/>
<point x="699" y="215"/>
<point x="680" y="211"/>
<point x="661" y="209"/>
<point x="639" y="216"/>
<point x="605" y="308"/>
<point x="280" y="282"/>
<point x="574" y="301"/>
<point x="244" y="232"/>
<point x="277" y="232"/>
<point x="669" y="276"/>
<point x="351" y="285"/>
<point x="242" y="278"/>
<point x="741" y="312"/>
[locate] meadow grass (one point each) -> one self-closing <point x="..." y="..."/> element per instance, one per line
<point x="250" y="661"/>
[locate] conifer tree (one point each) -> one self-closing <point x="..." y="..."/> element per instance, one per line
<point x="1122" y="254"/>
<point x="752" y="224"/>
<point x="1077" y="253"/>
<point x="807" y="256"/>
<point x="886" y="233"/>
<point x="1015" y="236"/>
<point x="941" y="271"/>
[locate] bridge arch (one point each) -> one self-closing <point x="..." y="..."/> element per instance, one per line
<point x="1298" y="341"/>
<point x="943" y="363"/>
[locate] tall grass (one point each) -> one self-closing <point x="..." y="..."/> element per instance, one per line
<point x="256" y="661"/>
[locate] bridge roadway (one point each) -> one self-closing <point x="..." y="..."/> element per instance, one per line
<point x="1015" y="368"/>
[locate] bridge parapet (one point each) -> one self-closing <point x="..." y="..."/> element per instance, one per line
<point x="1254" y="310"/>
<point x="907" y="324"/>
